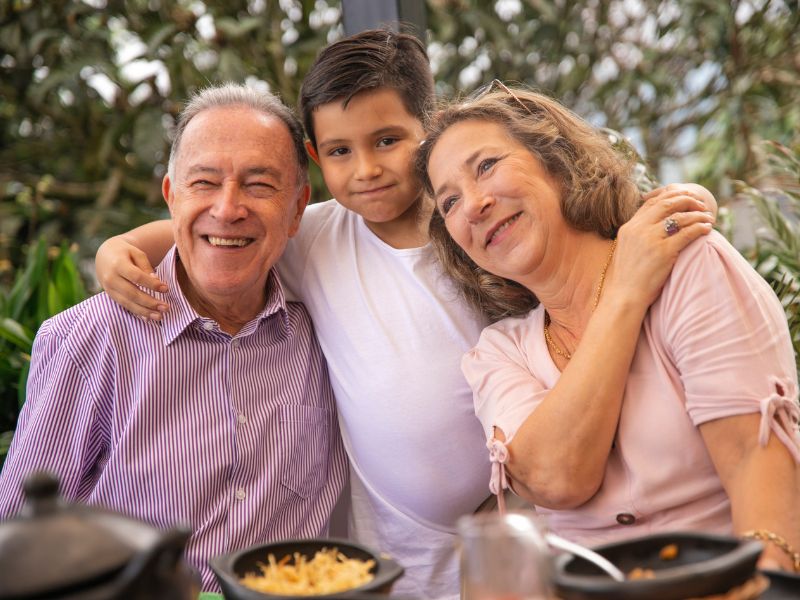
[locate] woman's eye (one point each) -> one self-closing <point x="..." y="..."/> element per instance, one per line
<point x="486" y="164"/>
<point x="447" y="204"/>
<point x="387" y="141"/>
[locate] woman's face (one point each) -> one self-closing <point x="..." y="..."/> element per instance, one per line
<point x="498" y="202"/>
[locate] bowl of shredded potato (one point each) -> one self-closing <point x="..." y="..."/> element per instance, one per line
<point x="666" y="566"/>
<point x="323" y="568"/>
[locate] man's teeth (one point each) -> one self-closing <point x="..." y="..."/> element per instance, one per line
<point x="218" y="241"/>
<point x="503" y="227"/>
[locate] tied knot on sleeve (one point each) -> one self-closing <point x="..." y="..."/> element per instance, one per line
<point x="498" y="456"/>
<point x="781" y="414"/>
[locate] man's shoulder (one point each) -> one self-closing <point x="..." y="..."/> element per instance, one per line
<point x="95" y="314"/>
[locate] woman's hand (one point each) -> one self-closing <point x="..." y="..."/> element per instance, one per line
<point x="122" y="269"/>
<point x="647" y="250"/>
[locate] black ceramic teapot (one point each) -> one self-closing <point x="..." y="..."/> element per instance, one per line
<point x="54" y="549"/>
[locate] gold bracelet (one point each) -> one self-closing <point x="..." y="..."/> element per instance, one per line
<point x="767" y="536"/>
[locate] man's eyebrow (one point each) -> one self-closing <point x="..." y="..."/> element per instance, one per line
<point x="271" y="171"/>
<point x="468" y="162"/>
<point x="195" y="169"/>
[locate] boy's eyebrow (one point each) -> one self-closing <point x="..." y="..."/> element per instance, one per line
<point x="468" y="162"/>
<point x="377" y="133"/>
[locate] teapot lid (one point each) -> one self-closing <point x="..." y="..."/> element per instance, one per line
<point x="52" y="545"/>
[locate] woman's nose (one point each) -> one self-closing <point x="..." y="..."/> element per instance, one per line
<point x="478" y="205"/>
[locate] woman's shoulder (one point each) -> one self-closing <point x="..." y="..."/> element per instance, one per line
<point x="512" y="333"/>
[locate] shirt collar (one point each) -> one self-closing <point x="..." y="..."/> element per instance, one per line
<point x="181" y="314"/>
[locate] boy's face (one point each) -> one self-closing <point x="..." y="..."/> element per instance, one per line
<point x="366" y="153"/>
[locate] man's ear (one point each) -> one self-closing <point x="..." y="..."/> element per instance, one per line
<point x="312" y="152"/>
<point x="303" y="196"/>
<point x="166" y="191"/>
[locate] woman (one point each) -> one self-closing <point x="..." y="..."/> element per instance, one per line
<point x="529" y="199"/>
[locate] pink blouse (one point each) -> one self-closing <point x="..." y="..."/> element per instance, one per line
<point x="714" y="344"/>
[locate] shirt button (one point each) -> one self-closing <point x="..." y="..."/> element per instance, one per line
<point x="208" y="326"/>
<point x="235" y="343"/>
<point x="626" y="519"/>
<point x="241" y="418"/>
<point x="240" y="494"/>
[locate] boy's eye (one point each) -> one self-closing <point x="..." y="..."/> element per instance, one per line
<point x="486" y="164"/>
<point x="387" y="141"/>
<point x="447" y="204"/>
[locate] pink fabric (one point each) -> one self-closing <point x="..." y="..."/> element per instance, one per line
<point x="715" y="344"/>
<point x="498" y="456"/>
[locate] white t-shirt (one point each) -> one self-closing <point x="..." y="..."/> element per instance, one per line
<point x="393" y="331"/>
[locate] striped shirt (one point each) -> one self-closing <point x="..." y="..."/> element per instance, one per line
<point x="179" y="422"/>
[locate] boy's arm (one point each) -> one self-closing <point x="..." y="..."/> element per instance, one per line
<point x="125" y="261"/>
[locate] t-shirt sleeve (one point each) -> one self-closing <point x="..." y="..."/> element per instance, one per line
<point x="505" y="391"/>
<point x="729" y="339"/>
<point x="291" y="266"/>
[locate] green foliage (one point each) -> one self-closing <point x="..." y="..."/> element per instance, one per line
<point x="776" y="254"/>
<point x="48" y="284"/>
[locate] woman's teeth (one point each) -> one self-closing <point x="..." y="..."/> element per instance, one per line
<point x="502" y="228"/>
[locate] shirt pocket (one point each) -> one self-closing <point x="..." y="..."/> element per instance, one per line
<point x="306" y="440"/>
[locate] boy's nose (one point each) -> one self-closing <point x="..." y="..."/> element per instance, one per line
<point x="368" y="168"/>
<point x="228" y="205"/>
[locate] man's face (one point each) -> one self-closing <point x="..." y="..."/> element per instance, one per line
<point x="235" y="201"/>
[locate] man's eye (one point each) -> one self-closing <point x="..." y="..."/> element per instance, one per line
<point x="202" y="183"/>
<point x="387" y="141"/>
<point x="486" y="164"/>
<point x="447" y="204"/>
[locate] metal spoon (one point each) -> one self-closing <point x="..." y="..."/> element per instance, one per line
<point x="593" y="557"/>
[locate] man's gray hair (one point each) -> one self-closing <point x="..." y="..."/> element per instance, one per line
<point x="234" y="94"/>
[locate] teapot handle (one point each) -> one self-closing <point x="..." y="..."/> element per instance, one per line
<point x="159" y="563"/>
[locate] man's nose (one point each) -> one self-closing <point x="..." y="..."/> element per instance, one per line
<point x="228" y="205"/>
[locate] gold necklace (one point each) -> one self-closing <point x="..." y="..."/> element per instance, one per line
<point x="547" y="337"/>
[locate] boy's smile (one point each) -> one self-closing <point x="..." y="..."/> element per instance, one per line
<point x="365" y="152"/>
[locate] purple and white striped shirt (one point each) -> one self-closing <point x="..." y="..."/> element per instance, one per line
<point x="179" y="422"/>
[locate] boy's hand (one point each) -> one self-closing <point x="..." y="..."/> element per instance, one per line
<point x="121" y="267"/>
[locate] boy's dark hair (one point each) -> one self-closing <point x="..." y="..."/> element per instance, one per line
<point x="369" y="60"/>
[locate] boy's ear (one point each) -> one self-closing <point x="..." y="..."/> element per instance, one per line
<point x="312" y="152"/>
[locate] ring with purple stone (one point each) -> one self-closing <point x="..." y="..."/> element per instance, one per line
<point x="671" y="226"/>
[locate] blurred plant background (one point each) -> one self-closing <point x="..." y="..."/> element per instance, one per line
<point x="706" y="90"/>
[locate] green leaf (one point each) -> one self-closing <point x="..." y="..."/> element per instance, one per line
<point x="17" y="334"/>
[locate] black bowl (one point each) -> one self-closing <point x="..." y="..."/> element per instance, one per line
<point x="782" y="586"/>
<point x="230" y="567"/>
<point x="706" y="564"/>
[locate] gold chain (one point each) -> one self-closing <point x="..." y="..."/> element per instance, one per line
<point x="766" y="535"/>
<point x="550" y="342"/>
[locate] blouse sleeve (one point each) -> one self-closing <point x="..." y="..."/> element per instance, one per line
<point x="505" y="391"/>
<point x="729" y="340"/>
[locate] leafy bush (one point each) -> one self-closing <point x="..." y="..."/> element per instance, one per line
<point x="49" y="283"/>
<point x="776" y="254"/>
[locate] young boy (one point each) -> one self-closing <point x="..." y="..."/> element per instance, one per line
<point x="390" y="324"/>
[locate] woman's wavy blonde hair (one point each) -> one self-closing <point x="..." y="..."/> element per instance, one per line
<point x="597" y="191"/>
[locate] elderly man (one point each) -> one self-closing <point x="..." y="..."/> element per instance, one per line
<point x="221" y="416"/>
